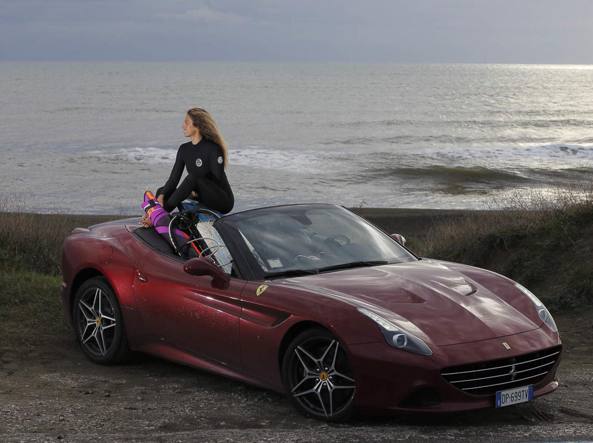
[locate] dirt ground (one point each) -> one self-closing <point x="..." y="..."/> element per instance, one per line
<point x="49" y="391"/>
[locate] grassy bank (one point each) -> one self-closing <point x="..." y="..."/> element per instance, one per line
<point x="546" y="244"/>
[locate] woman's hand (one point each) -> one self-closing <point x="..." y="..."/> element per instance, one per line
<point x="161" y="199"/>
<point x="146" y="221"/>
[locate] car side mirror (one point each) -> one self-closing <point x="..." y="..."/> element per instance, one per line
<point x="399" y="238"/>
<point x="206" y="266"/>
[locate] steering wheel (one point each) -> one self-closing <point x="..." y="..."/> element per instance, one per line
<point x="306" y="259"/>
<point x="340" y="239"/>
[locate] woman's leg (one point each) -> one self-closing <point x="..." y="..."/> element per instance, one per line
<point x="179" y="194"/>
<point x="213" y="196"/>
<point x="209" y="193"/>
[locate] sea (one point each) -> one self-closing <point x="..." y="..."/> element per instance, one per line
<point x="90" y="138"/>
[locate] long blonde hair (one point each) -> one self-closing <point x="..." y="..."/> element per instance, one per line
<point x="202" y="120"/>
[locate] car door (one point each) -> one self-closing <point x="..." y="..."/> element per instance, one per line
<point x="186" y="312"/>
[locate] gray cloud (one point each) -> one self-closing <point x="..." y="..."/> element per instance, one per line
<point x="515" y="31"/>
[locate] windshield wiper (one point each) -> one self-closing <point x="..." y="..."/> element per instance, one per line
<point x="300" y="272"/>
<point x="354" y="264"/>
<point x="291" y="273"/>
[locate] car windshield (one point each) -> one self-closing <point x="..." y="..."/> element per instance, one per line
<point x="298" y="240"/>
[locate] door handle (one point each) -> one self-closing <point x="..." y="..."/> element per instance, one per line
<point x="141" y="276"/>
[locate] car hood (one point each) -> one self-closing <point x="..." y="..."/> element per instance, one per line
<point x="444" y="304"/>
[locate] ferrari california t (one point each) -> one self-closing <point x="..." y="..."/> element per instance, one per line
<point x="315" y="302"/>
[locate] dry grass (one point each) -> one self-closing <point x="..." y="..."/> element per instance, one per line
<point x="34" y="241"/>
<point x="524" y="212"/>
<point x="544" y="241"/>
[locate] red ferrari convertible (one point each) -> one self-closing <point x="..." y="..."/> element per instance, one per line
<point x="315" y="302"/>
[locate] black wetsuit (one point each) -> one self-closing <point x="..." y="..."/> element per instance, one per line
<point x="205" y="167"/>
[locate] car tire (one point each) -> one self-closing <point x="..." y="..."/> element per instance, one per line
<point x="98" y="323"/>
<point x="317" y="376"/>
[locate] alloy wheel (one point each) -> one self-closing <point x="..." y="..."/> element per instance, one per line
<point x="96" y="321"/>
<point x="319" y="378"/>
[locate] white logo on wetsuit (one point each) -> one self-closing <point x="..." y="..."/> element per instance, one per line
<point x="198" y="162"/>
<point x="219" y="160"/>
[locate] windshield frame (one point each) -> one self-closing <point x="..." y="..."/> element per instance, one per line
<point x="228" y="227"/>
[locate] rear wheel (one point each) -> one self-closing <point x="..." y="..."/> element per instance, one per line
<point x="98" y="322"/>
<point x="317" y="375"/>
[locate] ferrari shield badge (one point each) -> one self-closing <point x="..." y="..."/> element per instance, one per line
<point x="261" y="289"/>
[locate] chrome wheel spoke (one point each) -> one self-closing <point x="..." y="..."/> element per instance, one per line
<point x="313" y="390"/>
<point x="101" y="341"/>
<point x="90" y="310"/>
<point x="91" y="335"/>
<point x="322" y="359"/>
<point x="344" y="387"/>
<point x="105" y="327"/>
<point x="336" y="373"/>
<point x="111" y="319"/>
<point x="301" y="353"/>
<point x="333" y="365"/>
<point x="86" y="311"/>
<point x="99" y="311"/>
<point x="95" y="297"/>
<point x="305" y="378"/>
<point x="318" y="392"/>
<point x="86" y="327"/>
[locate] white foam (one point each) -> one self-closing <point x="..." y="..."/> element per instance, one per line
<point x="149" y="155"/>
<point x="251" y="156"/>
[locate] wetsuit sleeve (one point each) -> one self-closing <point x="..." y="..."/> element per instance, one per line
<point x="176" y="172"/>
<point x="216" y="163"/>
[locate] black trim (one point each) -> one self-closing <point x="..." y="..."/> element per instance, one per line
<point x="155" y="241"/>
<point x="244" y="261"/>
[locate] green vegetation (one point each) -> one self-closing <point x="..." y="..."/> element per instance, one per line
<point x="30" y="253"/>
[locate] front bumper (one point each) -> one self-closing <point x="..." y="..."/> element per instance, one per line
<point x="389" y="379"/>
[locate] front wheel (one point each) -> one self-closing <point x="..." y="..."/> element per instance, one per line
<point x="98" y="322"/>
<point x="317" y="376"/>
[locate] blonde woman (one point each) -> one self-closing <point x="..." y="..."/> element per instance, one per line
<point x="205" y="158"/>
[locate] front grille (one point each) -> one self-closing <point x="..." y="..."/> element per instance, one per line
<point x="486" y="378"/>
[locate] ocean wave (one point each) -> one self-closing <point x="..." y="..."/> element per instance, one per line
<point x="251" y="156"/>
<point x="441" y="173"/>
<point x="584" y="151"/>
<point x="147" y="155"/>
<point x="468" y="180"/>
<point x="511" y="123"/>
<point x="454" y="167"/>
<point x="442" y="140"/>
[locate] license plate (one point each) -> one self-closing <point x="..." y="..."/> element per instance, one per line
<point x="513" y="396"/>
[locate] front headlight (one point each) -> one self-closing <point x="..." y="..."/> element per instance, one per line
<point x="397" y="336"/>
<point x="542" y="311"/>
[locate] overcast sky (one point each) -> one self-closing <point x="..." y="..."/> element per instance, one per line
<point x="493" y="31"/>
